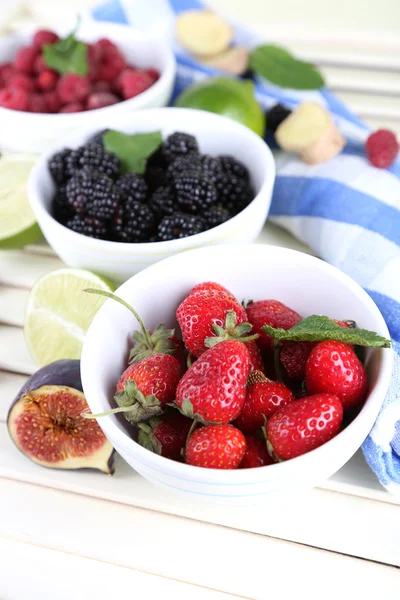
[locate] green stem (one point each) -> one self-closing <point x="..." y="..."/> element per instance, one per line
<point x="277" y="362"/>
<point x="133" y="311"/>
<point x="121" y="409"/>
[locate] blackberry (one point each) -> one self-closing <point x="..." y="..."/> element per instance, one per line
<point x="58" y="166"/>
<point x="194" y="191"/>
<point x="72" y="161"/>
<point x="62" y="209"/>
<point x="232" y="166"/>
<point x="97" y="138"/>
<point x="163" y="202"/>
<point x="133" y="187"/>
<point x="179" y="225"/>
<point x="184" y="162"/>
<point x="215" y="215"/>
<point x="157" y="159"/>
<point x="177" y="144"/>
<point x="275" y="116"/>
<point x="155" y="177"/>
<point x="211" y="166"/>
<point x="93" y="194"/>
<point x="234" y="193"/>
<point x="95" y="157"/>
<point x="134" y="225"/>
<point x="90" y="226"/>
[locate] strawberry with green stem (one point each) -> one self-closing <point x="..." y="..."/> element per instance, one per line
<point x="165" y="435"/>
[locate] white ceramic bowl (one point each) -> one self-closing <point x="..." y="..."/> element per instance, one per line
<point x="307" y="284"/>
<point x="216" y="135"/>
<point x="34" y="132"/>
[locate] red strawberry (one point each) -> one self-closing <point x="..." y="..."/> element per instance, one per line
<point x="270" y="312"/>
<point x="201" y="310"/>
<point x="256" y="361"/>
<point x="210" y="285"/>
<point x="213" y="389"/>
<point x="294" y="355"/>
<point x="303" y="425"/>
<point x="216" y="447"/>
<point x="147" y="386"/>
<point x="334" y="368"/>
<point x="263" y="398"/>
<point x="165" y="435"/>
<point x="256" y="454"/>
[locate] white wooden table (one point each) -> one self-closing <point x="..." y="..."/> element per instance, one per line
<point x="79" y="535"/>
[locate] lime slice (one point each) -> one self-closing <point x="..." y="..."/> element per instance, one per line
<point x="59" y="313"/>
<point x="228" y="97"/>
<point x="18" y="225"/>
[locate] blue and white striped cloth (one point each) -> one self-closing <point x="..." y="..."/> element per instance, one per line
<point x="346" y="200"/>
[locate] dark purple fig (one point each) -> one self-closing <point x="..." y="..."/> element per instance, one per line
<point x="45" y="421"/>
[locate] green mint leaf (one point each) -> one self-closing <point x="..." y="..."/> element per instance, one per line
<point x="67" y="55"/>
<point x="132" y="150"/>
<point x="281" y="68"/>
<point x="317" y="328"/>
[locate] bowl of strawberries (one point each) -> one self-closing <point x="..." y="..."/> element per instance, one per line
<point x="231" y="372"/>
<point x="52" y="82"/>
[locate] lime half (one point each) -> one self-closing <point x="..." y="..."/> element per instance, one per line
<point x="18" y="225"/>
<point x="59" y="313"/>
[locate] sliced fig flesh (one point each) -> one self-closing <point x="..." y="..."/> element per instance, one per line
<point x="47" y="426"/>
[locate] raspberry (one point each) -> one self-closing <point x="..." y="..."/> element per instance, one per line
<point x="194" y="191"/>
<point x="101" y="86"/>
<point x="215" y="215"/>
<point x="53" y="101"/>
<point x="37" y="104"/>
<point x="133" y="188"/>
<point x="47" y="80"/>
<point x="44" y="36"/>
<point x="100" y="100"/>
<point x="89" y="226"/>
<point x="14" y="98"/>
<point x="133" y="83"/>
<point x="72" y="107"/>
<point x="93" y="194"/>
<point x="111" y="67"/>
<point x="179" y="226"/>
<point x="94" y="156"/>
<point x="134" y="224"/>
<point x="24" y="59"/>
<point x="6" y="71"/>
<point x="21" y="81"/>
<point x="382" y="148"/>
<point x="163" y="202"/>
<point x="179" y="143"/>
<point x="153" y="73"/>
<point x="106" y="45"/>
<point x="58" y="166"/>
<point x="73" y="88"/>
<point x="39" y="64"/>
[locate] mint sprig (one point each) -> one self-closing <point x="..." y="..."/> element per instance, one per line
<point x="67" y="55"/>
<point x="282" y="68"/>
<point x="318" y="328"/>
<point x="133" y="150"/>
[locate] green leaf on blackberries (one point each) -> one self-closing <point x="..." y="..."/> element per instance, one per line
<point x="318" y="328"/>
<point x="133" y="150"/>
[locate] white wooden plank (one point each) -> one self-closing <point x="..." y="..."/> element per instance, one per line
<point x="219" y="558"/>
<point x="10" y="384"/>
<point x="72" y="576"/>
<point x="300" y="516"/>
<point x="12" y="305"/>
<point x="22" y="269"/>
<point x="14" y="355"/>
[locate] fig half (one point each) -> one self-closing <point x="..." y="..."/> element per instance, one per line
<point x="45" y="421"/>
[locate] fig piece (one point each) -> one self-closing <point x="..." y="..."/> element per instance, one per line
<point x="45" y="422"/>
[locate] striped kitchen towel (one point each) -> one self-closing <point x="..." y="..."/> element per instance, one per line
<point x="346" y="210"/>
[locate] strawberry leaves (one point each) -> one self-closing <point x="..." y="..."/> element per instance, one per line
<point x="318" y="328"/>
<point x="231" y="331"/>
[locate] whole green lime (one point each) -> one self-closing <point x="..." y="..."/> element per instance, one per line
<point x="228" y="97"/>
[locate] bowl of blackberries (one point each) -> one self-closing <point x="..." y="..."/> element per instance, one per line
<point x="149" y="185"/>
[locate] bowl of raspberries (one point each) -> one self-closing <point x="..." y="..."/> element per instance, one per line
<point x="231" y="372"/>
<point x="53" y="82"/>
<point x="149" y="185"/>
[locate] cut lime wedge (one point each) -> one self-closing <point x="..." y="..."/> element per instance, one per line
<point x="59" y="313"/>
<point x="18" y="225"/>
